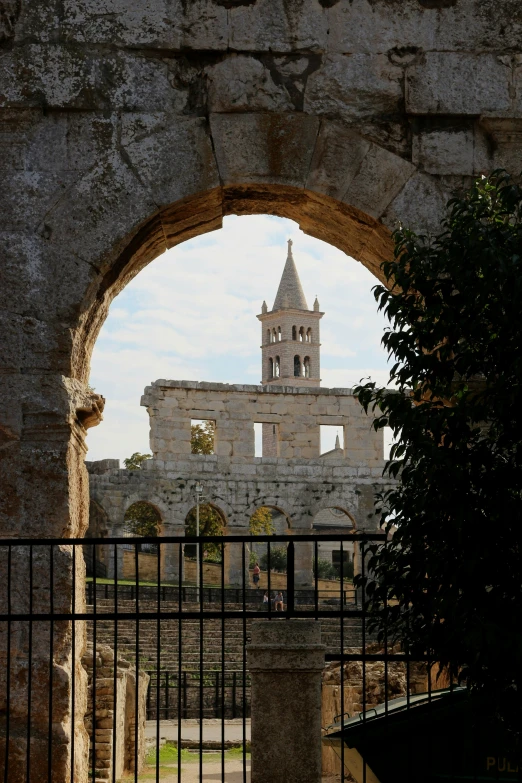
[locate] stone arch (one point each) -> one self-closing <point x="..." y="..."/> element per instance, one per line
<point x="347" y="227"/>
<point x="327" y="503"/>
<point x="297" y="366"/>
<point x="271" y="503"/>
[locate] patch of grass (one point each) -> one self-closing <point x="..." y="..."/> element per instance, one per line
<point x="168" y="755"/>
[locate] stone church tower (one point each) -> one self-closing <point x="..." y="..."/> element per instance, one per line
<point x="290" y="342"/>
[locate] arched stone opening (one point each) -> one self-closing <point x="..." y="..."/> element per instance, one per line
<point x="142" y="519"/>
<point x="332" y="554"/>
<point x="268" y="520"/>
<point x="210" y="558"/>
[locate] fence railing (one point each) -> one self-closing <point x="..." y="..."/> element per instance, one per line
<point x="110" y="676"/>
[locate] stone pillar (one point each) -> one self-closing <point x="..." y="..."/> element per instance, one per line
<point x="234" y="560"/>
<point x="303" y="561"/>
<point x="170" y="565"/>
<point x="286" y="662"/>
<point x="115" y="558"/>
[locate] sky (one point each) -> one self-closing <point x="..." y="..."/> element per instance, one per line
<point x="191" y="315"/>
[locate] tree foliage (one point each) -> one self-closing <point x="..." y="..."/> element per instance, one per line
<point x="261" y="522"/>
<point x="278" y="559"/>
<point x="453" y="567"/>
<point x="202" y="437"/>
<point x="142" y="519"/>
<point x="135" y="461"/>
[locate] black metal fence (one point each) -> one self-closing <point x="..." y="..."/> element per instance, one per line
<point x="112" y="678"/>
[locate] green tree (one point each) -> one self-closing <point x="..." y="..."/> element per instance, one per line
<point x="453" y="567"/>
<point x="211" y="523"/>
<point x="278" y="559"/>
<point x="135" y="461"/>
<point x="142" y="519"/>
<point x="261" y="522"/>
<point x="202" y="437"/>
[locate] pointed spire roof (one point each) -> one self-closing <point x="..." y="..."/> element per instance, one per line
<point x="290" y="294"/>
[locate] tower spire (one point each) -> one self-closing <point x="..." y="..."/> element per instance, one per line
<point x="290" y="294"/>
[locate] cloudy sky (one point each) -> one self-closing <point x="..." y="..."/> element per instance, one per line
<point x="191" y="315"/>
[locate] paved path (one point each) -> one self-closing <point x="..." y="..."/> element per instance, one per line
<point x="190" y="730"/>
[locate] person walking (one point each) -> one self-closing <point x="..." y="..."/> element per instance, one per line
<point x="255" y="575"/>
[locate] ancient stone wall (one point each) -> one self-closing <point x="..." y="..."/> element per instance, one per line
<point x="114" y="713"/>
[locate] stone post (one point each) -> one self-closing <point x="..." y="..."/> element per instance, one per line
<point x="286" y="661"/>
<point x="303" y="561"/>
<point x="170" y="565"/>
<point x="234" y="560"/>
<point x="115" y="557"/>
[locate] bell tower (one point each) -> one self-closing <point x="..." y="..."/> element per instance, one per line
<point x="290" y="342"/>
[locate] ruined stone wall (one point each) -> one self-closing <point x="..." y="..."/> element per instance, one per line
<point x="114" y="713"/>
<point x="298" y="413"/>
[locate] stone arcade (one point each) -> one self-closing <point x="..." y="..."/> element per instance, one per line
<point x="125" y="133"/>
<point x="292" y="477"/>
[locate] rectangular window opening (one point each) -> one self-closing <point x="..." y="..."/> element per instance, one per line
<point x="388" y="441"/>
<point x="266" y="439"/>
<point x="202" y="436"/>
<point x="329" y="434"/>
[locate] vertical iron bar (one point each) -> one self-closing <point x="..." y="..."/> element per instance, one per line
<point x="243" y="573"/>
<point x="199" y="565"/>
<point x="8" y="673"/>
<point x="158" y="662"/>
<point x="94" y="609"/>
<point x="363" y="599"/>
<point x="115" y="673"/>
<point x="234" y="686"/>
<point x="223" y="631"/>
<point x="341" y="629"/>
<point x="290" y="580"/>
<point x="180" y="602"/>
<point x="73" y="672"/>
<point x="316" y="578"/>
<point x="29" y="664"/>
<point x="137" y="686"/>
<point x="51" y="661"/>
<point x="167" y="695"/>
<point x="268" y="583"/>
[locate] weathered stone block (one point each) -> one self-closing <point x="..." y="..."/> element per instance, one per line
<point x="453" y="83"/>
<point x="245" y="146"/>
<point x="278" y="26"/>
<point x="449" y="151"/>
<point x="245" y="84"/>
<point x="354" y="88"/>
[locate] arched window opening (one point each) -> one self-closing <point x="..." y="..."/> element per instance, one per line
<point x="274" y="336"/>
<point x="277" y="367"/>
<point x="268" y="335"/>
<point x="301" y="334"/>
<point x="267" y="521"/>
<point x="297" y="366"/>
<point x="270" y="368"/>
<point x="142" y="520"/>
<point x="306" y="367"/>
<point x="308" y="335"/>
<point x="294" y="332"/>
<point x="279" y="334"/>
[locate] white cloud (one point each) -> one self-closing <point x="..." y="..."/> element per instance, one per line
<point x="191" y="314"/>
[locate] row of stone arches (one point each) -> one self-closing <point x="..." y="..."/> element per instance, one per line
<point x="143" y="519"/>
<point x="302" y="336"/>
